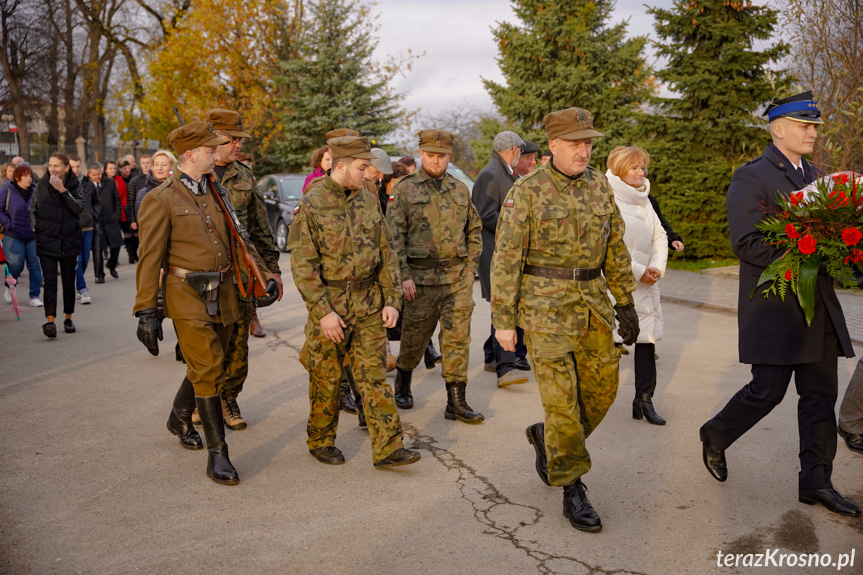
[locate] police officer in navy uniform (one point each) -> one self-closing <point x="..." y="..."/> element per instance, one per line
<point x="774" y="338"/>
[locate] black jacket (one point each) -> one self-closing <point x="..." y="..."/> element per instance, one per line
<point x="92" y="204"/>
<point x="150" y="184"/>
<point x="490" y="189"/>
<point x="134" y="186"/>
<point x="773" y="331"/>
<point x="112" y="210"/>
<point x="672" y="235"/>
<point x="55" y="217"/>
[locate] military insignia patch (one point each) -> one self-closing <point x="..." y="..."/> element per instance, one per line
<point x="606" y="230"/>
<point x="296" y="209"/>
<point x="510" y="203"/>
<point x="391" y="199"/>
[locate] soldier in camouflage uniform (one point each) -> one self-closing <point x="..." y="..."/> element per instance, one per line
<point x="237" y="178"/>
<point x="347" y="273"/>
<point x="559" y="249"/>
<point x="437" y="236"/>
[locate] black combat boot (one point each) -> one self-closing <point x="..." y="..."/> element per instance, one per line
<point x="456" y="404"/>
<point x="219" y="467"/>
<point x="578" y="509"/>
<point x="404" y="399"/>
<point x="536" y="437"/>
<point x="642" y="406"/>
<point x="180" y="420"/>
<point x="346" y="397"/>
<point x="431" y="356"/>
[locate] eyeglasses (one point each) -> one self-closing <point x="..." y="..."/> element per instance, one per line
<point x="642" y="169"/>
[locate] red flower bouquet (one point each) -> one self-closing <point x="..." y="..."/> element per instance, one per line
<point x="819" y="227"/>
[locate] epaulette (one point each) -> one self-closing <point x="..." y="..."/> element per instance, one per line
<point x="753" y="160"/>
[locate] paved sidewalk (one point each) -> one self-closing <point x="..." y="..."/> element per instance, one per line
<point x="719" y="293"/>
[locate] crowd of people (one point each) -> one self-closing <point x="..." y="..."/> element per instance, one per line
<point x="569" y="258"/>
<point x="58" y="221"/>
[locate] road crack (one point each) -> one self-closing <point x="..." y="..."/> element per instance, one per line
<point x="500" y="516"/>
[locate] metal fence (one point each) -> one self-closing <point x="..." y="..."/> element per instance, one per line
<point x="39" y="153"/>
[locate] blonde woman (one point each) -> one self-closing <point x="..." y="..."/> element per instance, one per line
<point x="161" y="166"/>
<point x="648" y="247"/>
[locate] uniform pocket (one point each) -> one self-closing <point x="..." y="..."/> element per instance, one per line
<point x="552" y="224"/>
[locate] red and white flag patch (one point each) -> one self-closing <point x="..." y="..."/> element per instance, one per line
<point x="296" y="209"/>
<point x="391" y="199"/>
<point x="510" y="203"/>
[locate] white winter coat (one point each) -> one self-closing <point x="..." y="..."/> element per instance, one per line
<point x="648" y="247"/>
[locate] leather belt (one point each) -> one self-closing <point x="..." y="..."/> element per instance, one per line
<point x="577" y="274"/>
<point x="435" y="263"/>
<point x="351" y="285"/>
<point x="224" y="273"/>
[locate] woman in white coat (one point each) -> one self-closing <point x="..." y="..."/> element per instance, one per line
<point x="648" y="248"/>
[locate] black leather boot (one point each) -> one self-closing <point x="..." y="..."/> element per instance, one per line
<point x="180" y="420"/>
<point x="536" y="437"/>
<point x="578" y="509"/>
<point x="456" y="404"/>
<point x="404" y="399"/>
<point x="643" y="407"/>
<point x="346" y="397"/>
<point x="431" y="356"/>
<point x="219" y="467"/>
<point x="179" y="354"/>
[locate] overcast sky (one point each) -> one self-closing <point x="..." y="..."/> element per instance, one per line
<point x="459" y="48"/>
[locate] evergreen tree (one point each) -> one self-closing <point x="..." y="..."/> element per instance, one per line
<point x="709" y="128"/>
<point x="566" y="54"/>
<point x="332" y="76"/>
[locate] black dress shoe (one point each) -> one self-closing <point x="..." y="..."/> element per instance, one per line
<point x="68" y="326"/>
<point x="100" y="280"/>
<point x="431" y="356"/>
<point x="578" y="509"/>
<point x="854" y="441"/>
<point x="829" y="498"/>
<point x="522" y="364"/>
<point x="114" y="273"/>
<point x="328" y="454"/>
<point x="361" y="416"/>
<point x="714" y="459"/>
<point x="179" y="354"/>
<point x="536" y="437"/>
<point x="49" y="329"/>
<point x="400" y="456"/>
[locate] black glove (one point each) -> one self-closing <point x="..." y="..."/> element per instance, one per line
<point x="150" y="329"/>
<point x="272" y="291"/>
<point x="627" y="320"/>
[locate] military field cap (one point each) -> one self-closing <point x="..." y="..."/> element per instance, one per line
<point x="381" y="162"/>
<point x="341" y="133"/>
<point x="530" y="148"/>
<point x="570" y="124"/>
<point x="228" y="122"/>
<point x="800" y="108"/>
<point x="193" y="135"/>
<point x="350" y="147"/>
<point x="436" y="141"/>
<point x="507" y="140"/>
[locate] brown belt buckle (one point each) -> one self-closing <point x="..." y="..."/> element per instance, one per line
<point x="443" y="263"/>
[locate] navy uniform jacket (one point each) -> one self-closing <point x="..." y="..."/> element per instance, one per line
<point x="773" y="331"/>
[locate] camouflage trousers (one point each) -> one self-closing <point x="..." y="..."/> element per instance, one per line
<point x="363" y="345"/>
<point x="577" y="377"/>
<point x="451" y="305"/>
<point x="237" y="355"/>
<point x="203" y="344"/>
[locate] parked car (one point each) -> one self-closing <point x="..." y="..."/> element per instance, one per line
<point x="281" y="194"/>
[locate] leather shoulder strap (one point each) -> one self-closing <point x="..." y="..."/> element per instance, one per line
<point x="183" y="194"/>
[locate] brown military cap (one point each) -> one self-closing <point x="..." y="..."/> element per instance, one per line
<point x="228" y="122"/>
<point x="570" y="124"/>
<point x="341" y="133"/>
<point x="437" y="141"/>
<point x="350" y="147"/>
<point x="193" y="135"/>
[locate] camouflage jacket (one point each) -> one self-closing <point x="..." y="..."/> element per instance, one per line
<point x="432" y="223"/>
<point x="338" y="238"/>
<point x="550" y="220"/>
<point x="252" y="211"/>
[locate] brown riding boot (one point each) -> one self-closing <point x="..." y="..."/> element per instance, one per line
<point x="255" y="325"/>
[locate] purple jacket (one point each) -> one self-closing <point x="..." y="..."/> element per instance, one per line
<point x="15" y="220"/>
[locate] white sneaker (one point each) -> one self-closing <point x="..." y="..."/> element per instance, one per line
<point x="78" y="295"/>
<point x="7" y="296"/>
<point x="85" y="297"/>
<point x="36" y="302"/>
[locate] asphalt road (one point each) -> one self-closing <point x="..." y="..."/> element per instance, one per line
<point x="92" y="482"/>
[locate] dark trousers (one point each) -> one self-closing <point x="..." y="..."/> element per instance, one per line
<point x="504" y="360"/>
<point x="67" y="265"/>
<point x="645" y="369"/>
<point x="99" y="264"/>
<point x="817" y="386"/>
